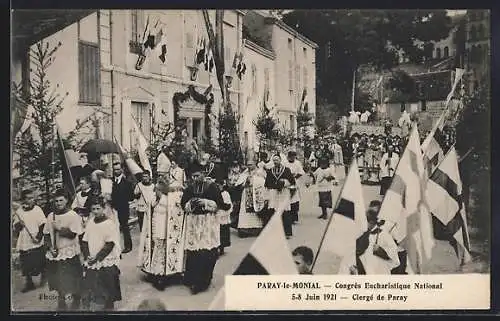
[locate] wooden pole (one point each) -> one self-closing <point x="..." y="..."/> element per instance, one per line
<point x="353" y="88"/>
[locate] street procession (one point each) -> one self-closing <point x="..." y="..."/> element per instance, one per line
<point x="155" y="152"/>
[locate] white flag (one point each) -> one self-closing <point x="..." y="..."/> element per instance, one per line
<point x="269" y="254"/>
<point x="405" y="206"/>
<point x="28" y="119"/>
<point x="141" y="144"/>
<point x="444" y="194"/>
<point x="458" y="76"/>
<point x="348" y="222"/>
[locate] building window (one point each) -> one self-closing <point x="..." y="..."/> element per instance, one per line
<point x="290" y="75"/>
<point x="89" y="72"/>
<point x="227" y="57"/>
<point x="446" y="52"/>
<point x="297" y="78"/>
<point x="472" y="35"/>
<point x="290" y="44"/>
<point x="292" y="123"/>
<point x="304" y="50"/>
<point x="254" y="80"/>
<point x="480" y="31"/>
<point x="142" y="115"/>
<point x="329" y="49"/>
<point x="137" y="28"/>
<point x="479" y="54"/>
<point x="424" y="105"/>
<point x="472" y="54"/>
<point x="266" y="79"/>
<point x="189" y="47"/>
<point x="197" y="134"/>
<point x="438" y="53"/>
<point x="306" y="77"/>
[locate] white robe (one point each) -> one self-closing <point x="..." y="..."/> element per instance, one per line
<point x="386" y="170"/>
<point x="297" y="169"/>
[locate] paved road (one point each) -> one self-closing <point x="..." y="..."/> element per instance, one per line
<point x="177" y="297"/>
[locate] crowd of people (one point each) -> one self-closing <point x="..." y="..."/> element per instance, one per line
<point x="185" y="216"/>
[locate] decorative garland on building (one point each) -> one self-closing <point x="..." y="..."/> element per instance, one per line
<point x="207" y="100"/>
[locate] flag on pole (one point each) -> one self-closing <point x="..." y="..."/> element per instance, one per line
<point x="200" y="51"/>
<point x="66" y="158"/>
<point x="18" y="110"/>
<point x="210" y="61"/>
<point x="405" y="206"/>
<point x="380" y="81"/>
<point x="268" y="255"/>
<point x="444" y="194"/>
<point x="242" y="67"/>
<point x="131" y="164"/>
<point x="434" y="146"/>
<point x="28" y="119"/>
<point x="347" y="223"/>
<point x="458" y="76"/>
<point x="141" y="145"/>
<point x="303" y="100"/>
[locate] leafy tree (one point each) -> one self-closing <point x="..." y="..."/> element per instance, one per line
<point x="36" y="148"/>
<point x="304" y="123"/>
<point x="229" y="143"/>
<point x="266" y="127"/>
<point x="403" y="86"/>
<point x="348" y="39"/>
<point x="326" y="116"/>
<point x="473" y="143"/>
<point x="160" y="134"/>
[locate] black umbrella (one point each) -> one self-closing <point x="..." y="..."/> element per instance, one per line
<point x="99" y="146"/>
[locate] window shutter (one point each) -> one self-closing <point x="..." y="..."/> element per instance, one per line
<point x="134" y="30"/>
<point x="89" y="73"/>
<point x="228" y="59"/>
<point x="306" y="78"/>
<point x="141" y="114"/>
<point x="254" y="80"/>
<point x="189" y="38"/>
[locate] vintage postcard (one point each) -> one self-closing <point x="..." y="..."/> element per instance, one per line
<point x="221" y="160"/>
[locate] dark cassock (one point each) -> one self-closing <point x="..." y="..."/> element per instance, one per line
<point x="214" y="171"/>
<point x="201" y="201"/>
<point x="278" y="180"/>
<point x="235" y="189"/>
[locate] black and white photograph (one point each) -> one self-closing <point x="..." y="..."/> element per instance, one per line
<point x="156" y="151"/>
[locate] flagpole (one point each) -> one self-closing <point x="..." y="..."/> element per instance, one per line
<point x="395" y="171"/>
<point x="330" y="219"/>
<point x="65" y="159"/>
<point x="353" y="89"/>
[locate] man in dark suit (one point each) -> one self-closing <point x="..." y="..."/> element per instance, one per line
<point x="121" y="195"/>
